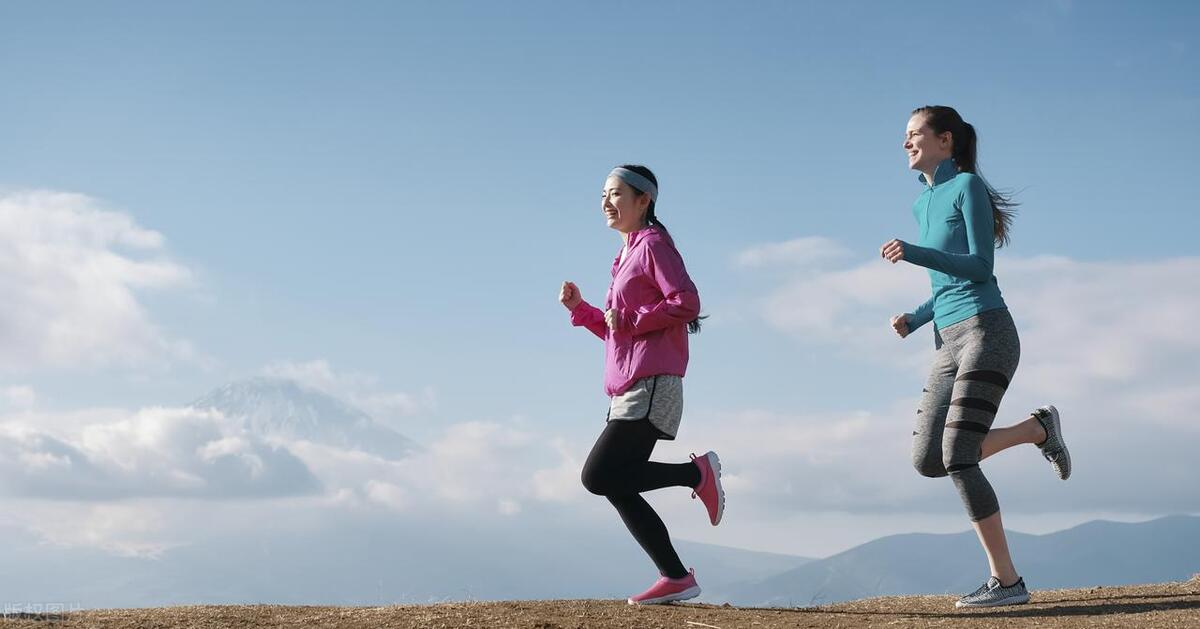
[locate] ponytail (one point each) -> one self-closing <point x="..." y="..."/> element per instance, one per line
<point x="693" y="326"/>
<point x="651" y="219"/>
<point x="965" y="153"/>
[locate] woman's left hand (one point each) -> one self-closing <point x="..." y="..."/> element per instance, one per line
<point x="892" y="250"/>
<point x="613" y="319"/>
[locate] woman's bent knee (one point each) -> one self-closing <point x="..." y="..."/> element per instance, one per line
<point x="593" y="481"/>
<point x="929" y="467"/>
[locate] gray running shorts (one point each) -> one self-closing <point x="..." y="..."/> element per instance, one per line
<point x="656" y="398"/>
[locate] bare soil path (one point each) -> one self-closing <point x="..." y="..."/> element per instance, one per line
<point x="1167" y="605"/>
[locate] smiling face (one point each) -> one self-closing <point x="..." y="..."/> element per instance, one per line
<point x="925" y="147"/>
<point x="623" y="207"/>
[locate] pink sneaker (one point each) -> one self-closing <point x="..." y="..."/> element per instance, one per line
<point x="709" y="490"/>
<point x="666" y="590"/>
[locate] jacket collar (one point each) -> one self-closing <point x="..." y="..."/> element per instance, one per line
<point x="945" y="172"/>
<point x="635" y="236"/>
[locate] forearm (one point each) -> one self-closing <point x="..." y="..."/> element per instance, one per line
<point x="679" y="308"/>
<point x="969" y="266"/>
<point x="590" y="317"/>
<point x="920" y="315"/>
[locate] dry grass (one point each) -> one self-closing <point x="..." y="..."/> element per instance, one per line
<point x="1169" y="605"/>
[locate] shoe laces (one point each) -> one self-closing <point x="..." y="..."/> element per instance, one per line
<point x="694" y="457"/>
<point x="986" y="587"/>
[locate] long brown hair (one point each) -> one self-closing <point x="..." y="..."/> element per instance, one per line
<point x="965" y="153"/>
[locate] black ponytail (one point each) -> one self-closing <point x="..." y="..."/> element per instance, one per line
<point x="965" y="153"/>
<point x="693" y="326"/>
<point x="645" y="172"/>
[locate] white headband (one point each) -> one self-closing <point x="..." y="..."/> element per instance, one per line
<point x="637" y="181"/>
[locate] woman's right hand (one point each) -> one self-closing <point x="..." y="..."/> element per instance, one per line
<point x="893" y="250"/>
<point x="569" y="295"/>
<point x="900" y="324"/>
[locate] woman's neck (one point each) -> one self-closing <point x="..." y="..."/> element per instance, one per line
<point x="930" y="172"/>
<point x="625" y="234"/>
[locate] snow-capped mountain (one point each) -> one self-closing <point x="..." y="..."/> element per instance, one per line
<point x="285" y="409"/>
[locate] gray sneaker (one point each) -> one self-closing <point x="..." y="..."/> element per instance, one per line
<point x="992" y="594"/>
<point x="1054" y="448"/>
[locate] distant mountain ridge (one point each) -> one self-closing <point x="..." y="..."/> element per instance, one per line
<point x="355" y="558"/>
<point x="351" y="558"/>
<point x="1095" y="553"/>
<point x="285" y="409"/>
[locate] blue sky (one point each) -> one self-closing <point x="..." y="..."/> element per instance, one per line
<point x="390" y="194"/>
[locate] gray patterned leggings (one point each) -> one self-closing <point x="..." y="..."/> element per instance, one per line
<point x="976" y="359"/>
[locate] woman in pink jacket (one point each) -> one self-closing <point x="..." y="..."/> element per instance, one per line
<point x="650" y="308"/>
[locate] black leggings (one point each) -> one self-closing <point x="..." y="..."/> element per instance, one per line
<point x="619" y="468"/>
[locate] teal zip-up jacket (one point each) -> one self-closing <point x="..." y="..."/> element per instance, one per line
<point x="957" y="246"/>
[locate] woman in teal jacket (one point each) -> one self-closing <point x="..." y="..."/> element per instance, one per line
<point x="962" y="219"/>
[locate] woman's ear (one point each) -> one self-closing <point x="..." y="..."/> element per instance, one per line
<point x="947" y="139"/>
<point x="643" y="204"/>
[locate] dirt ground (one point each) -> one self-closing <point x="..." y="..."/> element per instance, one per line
<point x="1169" y="605"/>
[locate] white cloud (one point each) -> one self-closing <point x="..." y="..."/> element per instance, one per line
<point x="472" y="467"/>
<point x="70" y="272"/>
<point x="180" y="452"/>
<point x="560" y="483"/>
<point x="485" y="462"/>
<point x="1087" y="326"/>
<point x="806" y="251"/>
<point x="388" y="494"/>
<point x="18" y="396"/>
<point x="360" y="390"/>
<point x="848" y="309"/>
<point x="317" y="374"/>
<point x="107" y="455"/>
<point x="124" y="529"/>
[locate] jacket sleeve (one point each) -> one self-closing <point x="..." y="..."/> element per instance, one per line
<point x="590" y="317"/>
<point x="920" y="316"/>
<point x="976" y="264"/>
<point x="680" y="303"/>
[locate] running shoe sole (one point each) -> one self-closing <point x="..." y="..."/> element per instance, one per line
<point x="691" y="592"/>
<point x="1064" y="468"/>
<point x="715" y="463"/>
<point x="1017" y="599"/>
